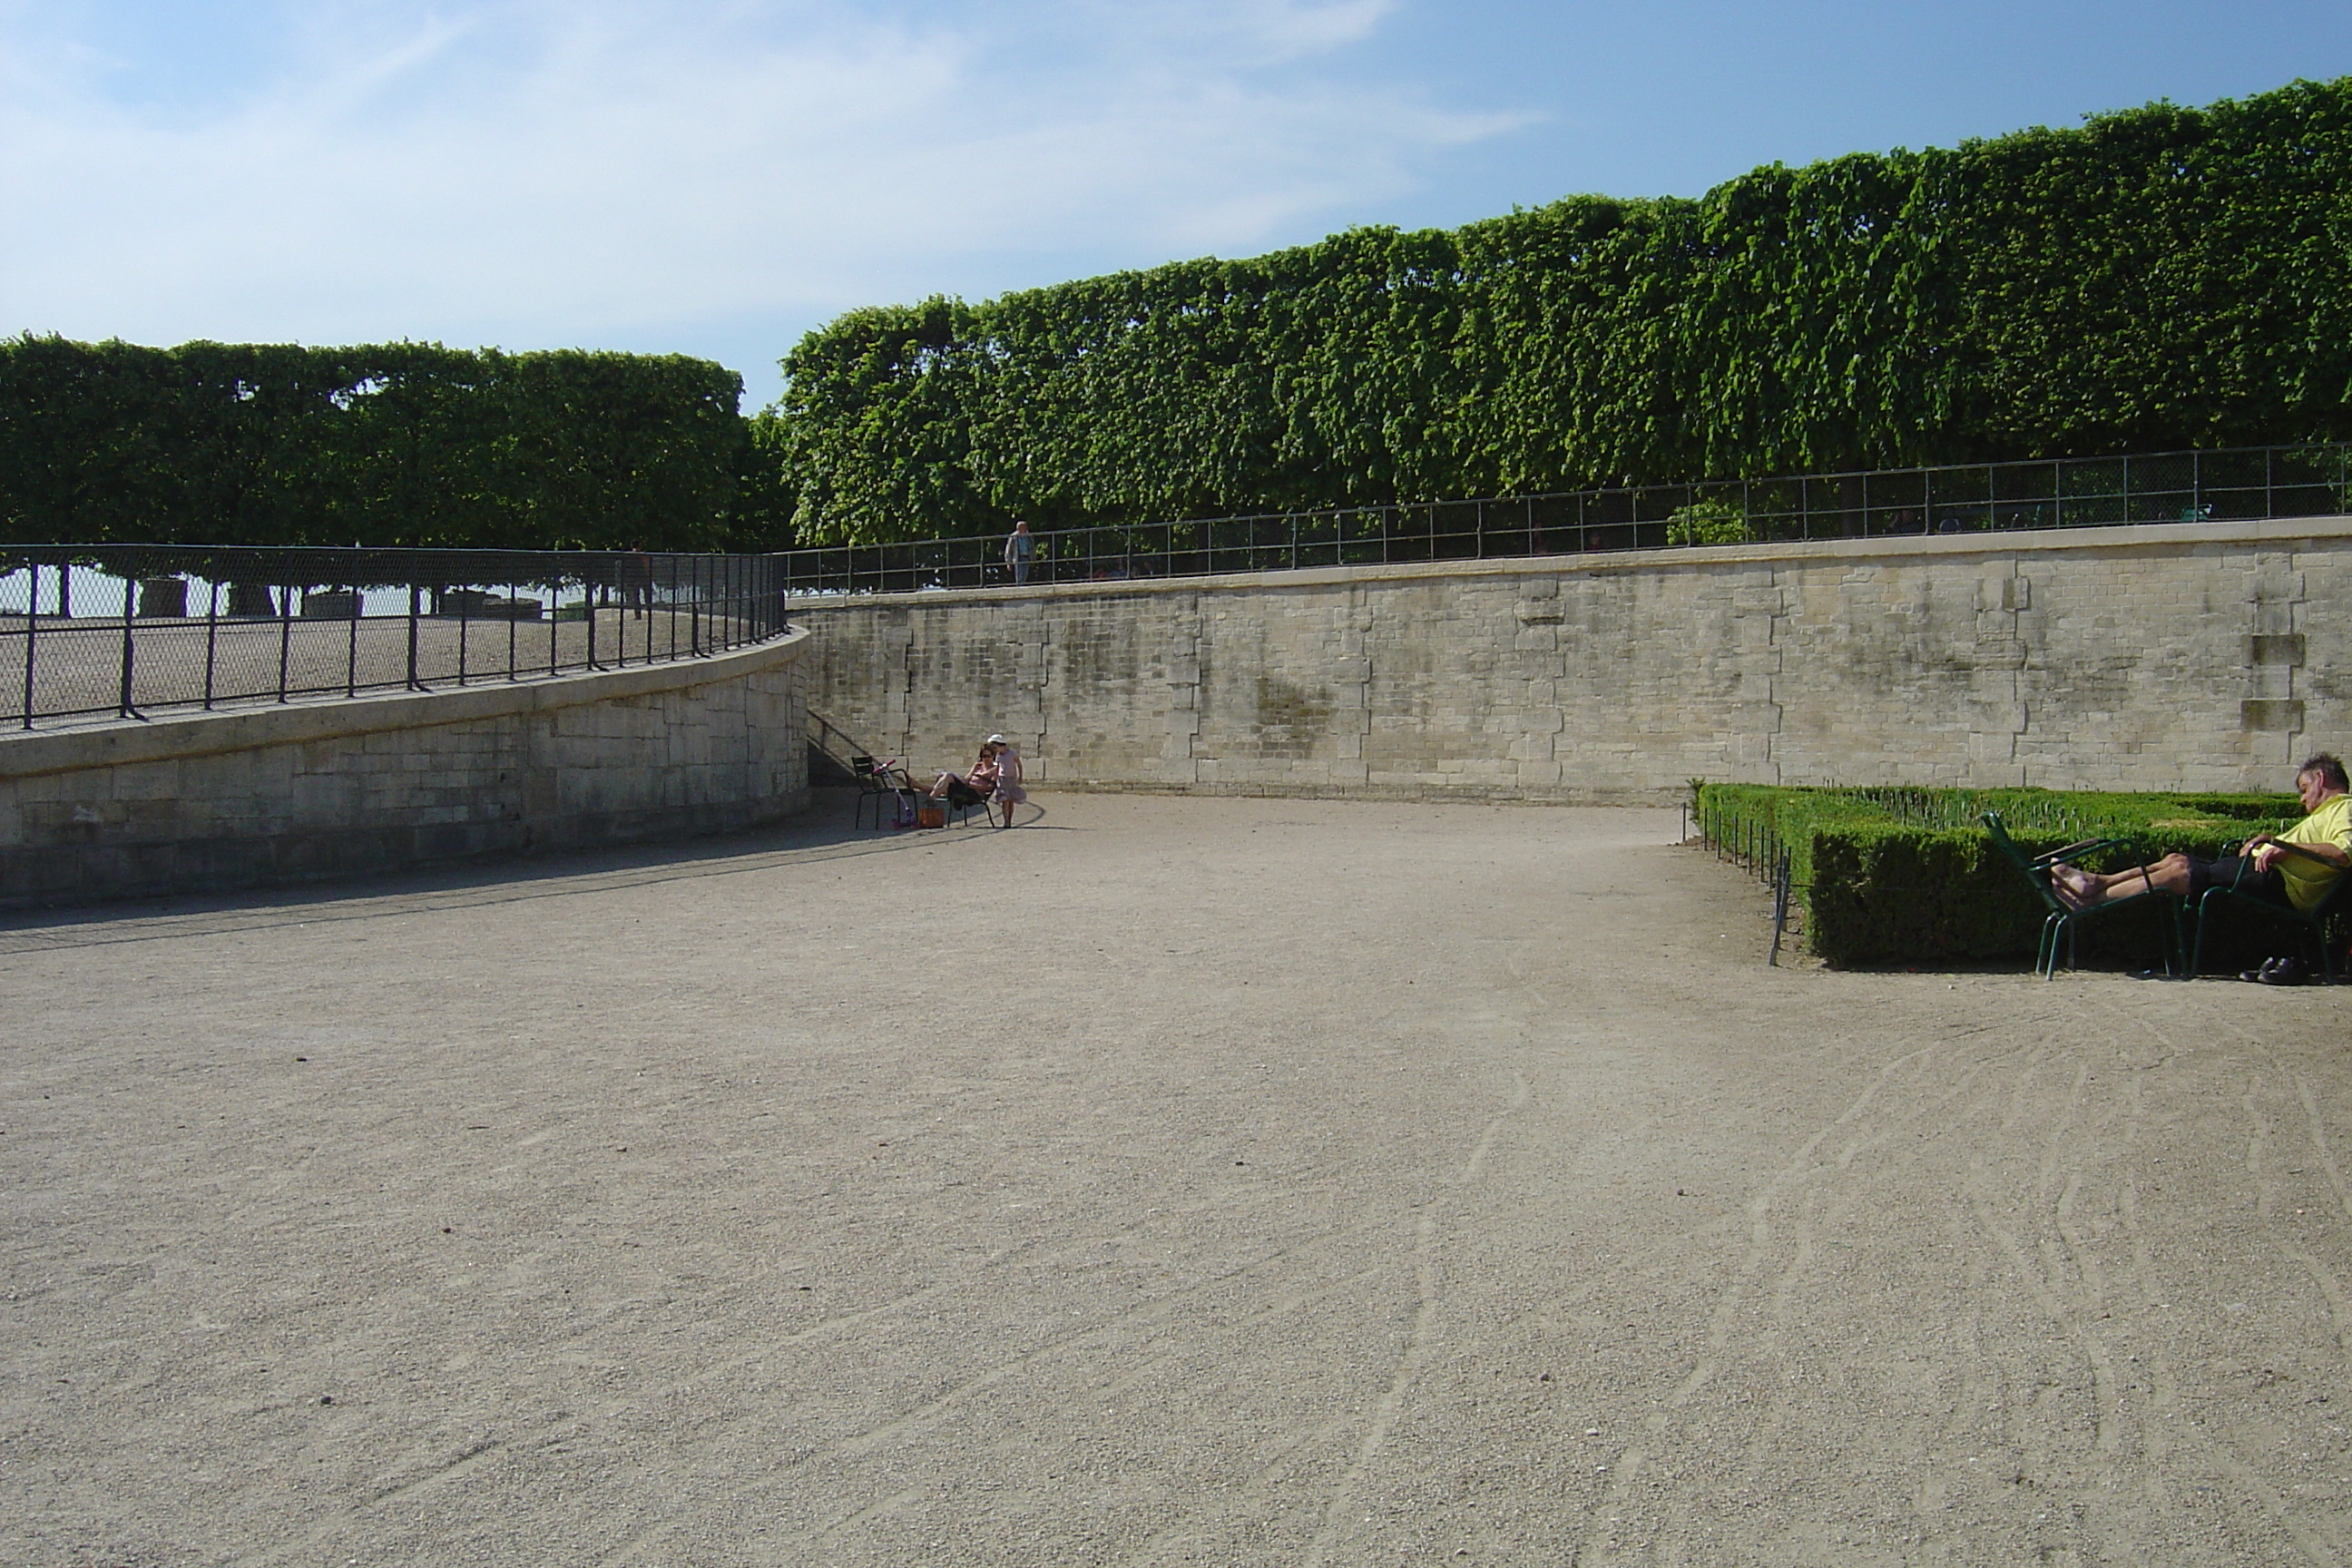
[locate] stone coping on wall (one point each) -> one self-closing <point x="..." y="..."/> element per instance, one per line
<point x="2134" y="536"/>
<point x="182" y="737"/>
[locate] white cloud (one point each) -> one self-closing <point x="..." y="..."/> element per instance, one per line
<point x="539" y="174"/>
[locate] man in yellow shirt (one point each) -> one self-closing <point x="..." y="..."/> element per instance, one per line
<point x="2280" y="877"/>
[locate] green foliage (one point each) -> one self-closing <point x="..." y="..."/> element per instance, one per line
<point x="405" y="444"/>
<point x="2157" y="279"/>
<point x="1708" y="522"/>
<point x="766" y="493"/>
<point x="1906" y="876"/>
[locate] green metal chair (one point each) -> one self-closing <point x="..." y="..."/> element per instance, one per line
<point x="879" y="781"/>
<point x="2060" y="924"/>
<point x="2311" y="924"/>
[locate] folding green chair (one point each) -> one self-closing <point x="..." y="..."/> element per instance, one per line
<point x="2310" y="923"/>
<point x="2061" y="923"/>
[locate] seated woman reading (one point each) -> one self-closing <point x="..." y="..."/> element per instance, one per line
<point x="972" y="788"/>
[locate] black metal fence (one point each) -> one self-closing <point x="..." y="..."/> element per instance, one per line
<point x="92" y="630"/>
<point x="2073" y="493"/>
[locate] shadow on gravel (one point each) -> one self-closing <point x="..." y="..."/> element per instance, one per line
<point x="823" y="833"/>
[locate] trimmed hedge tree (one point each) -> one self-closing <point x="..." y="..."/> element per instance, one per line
<point x="2159" y="279"/>
<point x="405" y="444"/>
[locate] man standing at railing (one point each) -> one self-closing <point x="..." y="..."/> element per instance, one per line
<point x="1019" y="550"/>
<point x="636" y="581"/>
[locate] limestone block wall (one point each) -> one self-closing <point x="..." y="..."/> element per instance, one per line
<point x="284" y="794"/>
<point x="2202" y="656"/>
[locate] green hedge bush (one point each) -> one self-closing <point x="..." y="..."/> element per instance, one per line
<point x="2160" y="278"/>
<point x="385" y="444"/>
<point x="1905" y="875"/>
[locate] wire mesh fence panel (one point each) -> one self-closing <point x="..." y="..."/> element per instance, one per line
<point x="2308" y="481"/>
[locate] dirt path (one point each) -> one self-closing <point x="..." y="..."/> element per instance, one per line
<point x="1163" y="1181"/>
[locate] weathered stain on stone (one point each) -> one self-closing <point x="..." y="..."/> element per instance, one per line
<point x="1290" y="717"/>
<point x="2105" y="660"/>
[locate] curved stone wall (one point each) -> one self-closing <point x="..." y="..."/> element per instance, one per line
<point x="2198" y="656"/>
<point x="270" y="795"/>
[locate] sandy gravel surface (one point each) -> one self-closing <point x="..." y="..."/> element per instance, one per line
<point x="1162" y="1182"/>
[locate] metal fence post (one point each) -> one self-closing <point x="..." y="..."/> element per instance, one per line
<point x="285" y="634"/>
<point x="32" y="622"/>
<point x="414" y="606"/>
<point x="212" y="640"/>
<point x="1779" y="906"/>
<point x="129" y="607"/>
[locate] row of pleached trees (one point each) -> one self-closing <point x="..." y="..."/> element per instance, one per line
<point x="2158" y="277"/>
<point x="404" y="444"/>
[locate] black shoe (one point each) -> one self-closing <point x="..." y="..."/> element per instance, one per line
<point x="2256" y="973"/>
<point x="2283" y="972"/>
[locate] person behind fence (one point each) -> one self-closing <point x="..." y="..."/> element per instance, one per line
<point x="1020" y="548"/>
<point x="2258" y="868"/>
<point x="636" y="581"/>
<point x="976" y="786"/>
<point x="1008" y="793"/>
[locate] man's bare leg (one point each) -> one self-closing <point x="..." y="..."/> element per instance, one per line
<point x="2169" y="875"/>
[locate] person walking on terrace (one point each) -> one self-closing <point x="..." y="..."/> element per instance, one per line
<point x="1020" y="548"/>
<point x="2291" y="880"/>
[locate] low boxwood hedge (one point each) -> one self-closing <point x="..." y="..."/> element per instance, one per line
<point x="1904" y="875"/>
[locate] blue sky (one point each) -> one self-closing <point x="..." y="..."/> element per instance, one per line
<point x="719" y="178"/>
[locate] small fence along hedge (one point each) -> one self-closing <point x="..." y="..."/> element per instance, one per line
<point x="1903" y="875"/>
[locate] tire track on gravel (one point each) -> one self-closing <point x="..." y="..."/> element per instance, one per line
<point x="1799" y="1169"/>
<point x="1420" y="1340"/>
<point x="1153" y="1317"/>
<point x="1903" y="1096"/>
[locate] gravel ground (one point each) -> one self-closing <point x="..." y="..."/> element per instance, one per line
<point x="1164" y="1181"/>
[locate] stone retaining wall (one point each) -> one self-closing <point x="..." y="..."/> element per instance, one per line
<point x="2201" y="655"/>
<point x="284" y="794"/>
